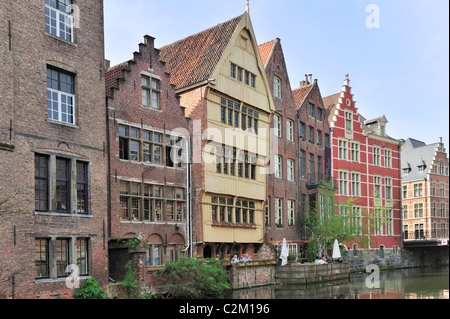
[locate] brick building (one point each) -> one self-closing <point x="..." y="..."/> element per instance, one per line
<point x="148" y="185"/>
<point x="221" y="81"/>
<point x="425" y="192"/>
<point x="366" y="168"/>
<point x="293" y="186"/>
<point x="52" y="146"/>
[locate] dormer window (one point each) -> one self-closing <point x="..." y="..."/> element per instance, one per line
<point x="382" y="130"/>
<point x="407" y="170"/>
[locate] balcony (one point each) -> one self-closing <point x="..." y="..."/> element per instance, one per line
<point x="313" y="180"/>
<point x="421" y="238"/>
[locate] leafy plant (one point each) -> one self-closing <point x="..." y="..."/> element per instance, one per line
<point x="193" y="278"/>
<point x="90" y="290"/>
<point x="130" y="283"/>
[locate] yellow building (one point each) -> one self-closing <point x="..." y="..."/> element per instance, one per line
<point x="221" y="80"/>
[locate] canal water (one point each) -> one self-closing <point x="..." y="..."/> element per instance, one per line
<point x="394" y="284"/>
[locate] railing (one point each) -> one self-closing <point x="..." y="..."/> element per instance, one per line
<point x="317" y="178"/>
<point x="425" y="235"/>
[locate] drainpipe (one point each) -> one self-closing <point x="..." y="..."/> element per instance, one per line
<point x="189" y="196"/>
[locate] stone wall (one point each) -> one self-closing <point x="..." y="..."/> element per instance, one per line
<point x="304" y="274"/>
<point x="398" y="258"/>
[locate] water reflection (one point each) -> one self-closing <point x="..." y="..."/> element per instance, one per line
<point x="397" y="284"/>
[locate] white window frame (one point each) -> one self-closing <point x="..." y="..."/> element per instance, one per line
<point x="291" y="212"/>
<point x="60" y="17"/>
<point x="279" y="167"/>
<point x="290" y="170"/>
<point x="277" y="125"/>
<point x="343" y="183"/>
<point x="276" y="87"/>
<point x="290" y="130"/>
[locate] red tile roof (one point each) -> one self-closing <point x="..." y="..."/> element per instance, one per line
<point x="301" y="94"/>
<point x="193" y="59"/>
<point x="265" y="49"/>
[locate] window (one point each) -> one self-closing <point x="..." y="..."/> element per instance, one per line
<point x="41" y="183"/>
<point x="319" y="138"/>
<point x="58" y="20"/>
<point x="388" y="188"/>
<point x="387" y="158"/>
<point x="302" y="130"/>
<point x="442" y="189"/>
<point x="62" y="257"/>
<point x="376" y="156"/>
<point x="150" y="92"/>
<point x="277" y="87"/>
<point x="62" y="185"/>
<point x="151" y="202"/>
<point x="242" y="75"/>
<point x="327" y="140"/>
<point x="354" y="152"/>
<point x="231" y="112"/>
<point x="41" y="258"/>
<point x="83" y="256"/>
<point x="291" y="212"/>
<point x="277" y="125"/>
<point x="405" y="211"/>
<point x="290" y="170"/>
<point x="267" y="213"/>
<point x="311" y="135"/>
<point x="82" y="188"/>
<point x="348" y="121"/>
<point x="343" y="183"/>
<point x="150" y="147"/>
<point x="233" y="71"/>
<point x="418" y="210"/>
<point x="319" y="114"/>
<point x="405" y="192"/>
<point x="377" y="186"/>
<point x="279" y="212"/>
<point x="355" y="184"/>
<point x="418" y="190"/>
<point x="154" y="256"/>
<point x="302" y="164"/>
<point x="290" y="130"/>
<point x="311" y="169"/>
<point x="279" y="167"/>
<point x="342" y="149"/>
<point x="433" y="209"/>
<point x="222" y="210"/>
<point x="311" y="110"/>
<point x="443" y="212"/>
<point x="61" y="192"/>
<point x="60" y="96"/>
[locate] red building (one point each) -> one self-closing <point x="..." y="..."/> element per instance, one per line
<point x="366" y="167"/>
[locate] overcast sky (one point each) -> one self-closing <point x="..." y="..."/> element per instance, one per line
<point x="398" y="60"/>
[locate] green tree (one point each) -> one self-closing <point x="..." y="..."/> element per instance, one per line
<point x="329" y="221"/>
<point x="193" y="278"/>
<point x="90" y="290"/>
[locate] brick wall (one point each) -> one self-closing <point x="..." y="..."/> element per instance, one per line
<point x="24" y="104"/>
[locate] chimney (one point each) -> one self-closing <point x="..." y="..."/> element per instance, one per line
<point x="307" y="80"/>
<point x="303" y="84"/>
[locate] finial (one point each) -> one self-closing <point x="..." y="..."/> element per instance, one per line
<point x="248" y="6"/>
<point x="347" y="80"/>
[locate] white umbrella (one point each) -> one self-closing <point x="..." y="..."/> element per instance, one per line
<point x="284" y="253"/>
<point x="336" y="250"/>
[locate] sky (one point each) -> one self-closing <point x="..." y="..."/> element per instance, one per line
<point x="395" y="51"/>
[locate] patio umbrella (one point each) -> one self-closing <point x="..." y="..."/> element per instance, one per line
<point x="336" y="250"/>
<point x="284" y="253"/>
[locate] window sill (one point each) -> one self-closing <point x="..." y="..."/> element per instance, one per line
<point x="63" y="124"/>
<point x="61" y="39"/>
<point x="151" y="108"/>
<point x="62" y="214"/>
<point x="57" y="280"/>
<point x="234" y="225"/>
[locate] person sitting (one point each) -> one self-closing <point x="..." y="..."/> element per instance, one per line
<point x="235" y="259"/>
<point x="246" y="258"/>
